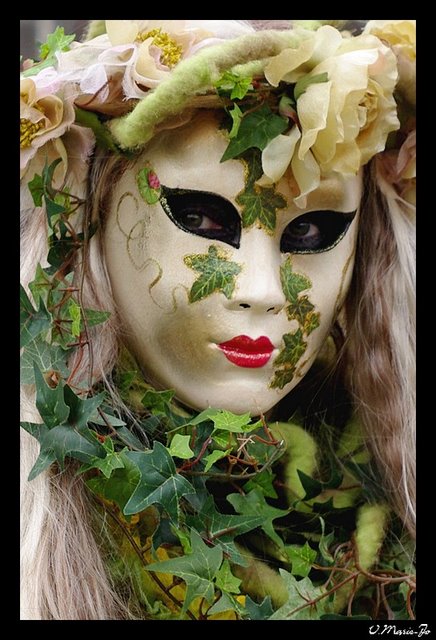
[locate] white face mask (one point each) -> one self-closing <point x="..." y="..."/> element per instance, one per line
<point x="229" y="315"/>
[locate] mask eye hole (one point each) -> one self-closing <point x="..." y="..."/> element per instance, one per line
<point x="203" y="213"/>
<point x="315" y="231"/>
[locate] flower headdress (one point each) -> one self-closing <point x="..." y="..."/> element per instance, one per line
<point x="323" y="99"/>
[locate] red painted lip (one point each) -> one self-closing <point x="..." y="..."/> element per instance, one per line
<point x="246" y="352"/>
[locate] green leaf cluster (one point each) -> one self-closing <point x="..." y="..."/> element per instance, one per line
<point x="56" y="41"/>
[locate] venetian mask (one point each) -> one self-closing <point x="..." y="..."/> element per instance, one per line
<point x="226" y="289"/>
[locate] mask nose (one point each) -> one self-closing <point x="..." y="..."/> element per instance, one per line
<point x="258" y="286"/>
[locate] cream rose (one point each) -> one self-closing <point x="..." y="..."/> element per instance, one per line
<point x="400" y="35"/>
<point x="343" y="121"/>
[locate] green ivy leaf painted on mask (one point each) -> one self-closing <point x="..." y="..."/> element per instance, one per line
<point x="256" y="129"/>
<point x="218" y="273"/>
<point x="311" y="322"/>
<point x="299" y="309"/>
<point x="302" y="558"/>
<point x="159" y="483"/>
<point x="301" y="594"/>
<point x="254" y="504"/>
<point x="282" y="377"/>
<point x="292" y="283"/>
<point x="294" y="348"/>
<point x="197" y="569"/>
<point x="259" y="204"/>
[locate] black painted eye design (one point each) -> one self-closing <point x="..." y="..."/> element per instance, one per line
<point x="203" y="214"/>
<point x="315" y="232"/>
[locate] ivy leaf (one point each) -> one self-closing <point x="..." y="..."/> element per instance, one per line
<point x="221" y="529"/>
<point x="301" y="594"/>
<point x="56" y="41"/>
<point x="46" y="458"/>
<point x="225" y="580"/>
<point x="311" y="323"/>
<point x="42" y="285"/>
<point x="159" y="482"/>
<point x="81" y="411"/>
<point x="233" y="84"/>
<point x="157" y="401"/>
<point x="254" y="504"/>
<point x="292" y="283"/>
<point x="311" y="486"/>
<point x="228" y="421"/>
<point x="256" y="130"/>
<point x="180" y="448"/>
<point x="94" y="317"/>
<point x="325" y="543"/>
<point x="302" y="558"/>
<point x="197" y="569"/>
<point x="107" y="465"/>
<point x="75" y="316"/>
<point x="225" y="603"/>
<point x="50" y="402"/>
<point x="45" y="356"/>
<point x="59" y="442"/>
<point x="120" y="486"/>
<point x="236" y="116"/>
<point x="36" y="188"/>
<point x="259" y="205"/>
<point x="263" y="482"/>
<point x="307" y="80"/>
<point x="148" y="185"/>
<point x="213" y="457"/>
<point x="294" y="348"/>
<point x="218" y="273"/>
<point x="262" y="611"/>
<point x="32" y="321"/>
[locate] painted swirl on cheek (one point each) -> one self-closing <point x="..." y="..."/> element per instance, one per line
<point x="302" y="310"/>
<point x="217" y="273"/>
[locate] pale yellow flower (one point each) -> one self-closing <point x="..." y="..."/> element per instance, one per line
<point x="42" y="118"/>
<point x="400" y="36"/>
<point x="345" y="120"/>
<point x="162" y="44"/>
